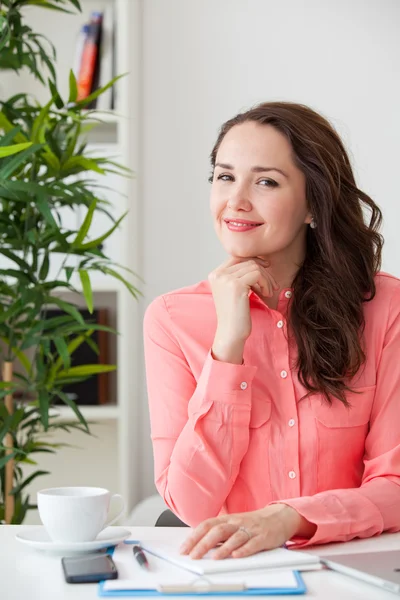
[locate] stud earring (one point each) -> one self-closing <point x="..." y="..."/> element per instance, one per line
<point x="313" y="224"/>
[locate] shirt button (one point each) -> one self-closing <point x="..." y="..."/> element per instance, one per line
<point x="243" y="385"/>
<point x="283" y="374"/>
<point x="288" y="294"/>
<point x="279" y="324"/>
<point x="291" y="422"/>
<point x="292" y="474"/>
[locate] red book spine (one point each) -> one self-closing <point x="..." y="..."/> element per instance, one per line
<point x="89" y="57"/>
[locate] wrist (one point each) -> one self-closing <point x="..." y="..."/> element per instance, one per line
<point x="228" y="351"/>
<point x="299" y="524"/>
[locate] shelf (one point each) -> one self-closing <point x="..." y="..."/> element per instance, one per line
<point x="91" y="413"/>
<point x="103" y="117"/>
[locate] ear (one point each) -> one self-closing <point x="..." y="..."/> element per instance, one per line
<point x="308" y="218"/>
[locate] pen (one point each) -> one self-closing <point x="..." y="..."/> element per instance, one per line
<point x="140" y="557"/>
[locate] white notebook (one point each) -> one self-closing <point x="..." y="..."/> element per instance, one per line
<point x="270" y="559"/>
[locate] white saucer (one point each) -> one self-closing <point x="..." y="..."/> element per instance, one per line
<point x="38" y="538"/>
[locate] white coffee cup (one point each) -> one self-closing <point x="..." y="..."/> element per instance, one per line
<point x="75" y="514"/>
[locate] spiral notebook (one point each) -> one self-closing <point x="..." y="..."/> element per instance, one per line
<point x="164" y="578"/>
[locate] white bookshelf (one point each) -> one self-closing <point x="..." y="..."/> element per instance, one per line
<point x="118" y="426"/>
<point x="107" y="412"/>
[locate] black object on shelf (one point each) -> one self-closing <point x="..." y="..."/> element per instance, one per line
<point x="94" y="390"/>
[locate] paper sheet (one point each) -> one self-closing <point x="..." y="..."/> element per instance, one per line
<point x="270" y="559"/>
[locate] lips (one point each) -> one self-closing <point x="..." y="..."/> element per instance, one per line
<point x="242" y="223"/>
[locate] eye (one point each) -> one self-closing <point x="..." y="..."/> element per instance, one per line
<point x="225" y="177"/>
<point x="268" y="183"/>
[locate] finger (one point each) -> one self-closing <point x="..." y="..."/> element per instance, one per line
<point x="258" y="543"/>
<point x="197" y="534"/>
<point x="263" y="263"/>
<point x="219" y="533"/>
<point x="256" y="278"/>
<point x="238" y="539"/>
<point x="230" y="262"/>
<point x="252" y="262"/>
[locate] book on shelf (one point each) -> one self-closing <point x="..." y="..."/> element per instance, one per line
<point x="94" y="58"/>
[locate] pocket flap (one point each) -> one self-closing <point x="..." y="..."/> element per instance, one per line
<point x="339" y="415"/>
<point x="260" y="411"/>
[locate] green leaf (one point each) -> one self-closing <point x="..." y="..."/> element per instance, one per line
<point x="11" y="256"/>
<point x="72" y="405"/>
<point x="44" y="404"/>
<point x="82" y="163"/>
<point x="8" y="126"/>
<point x="98" y="92"/>
<point x="9" y="150"/>
<point x="59" y="102"/>
<point x="44" y="269"/>
<point x="18" y="488"/>
<point x="44" y="207"/>
<point x="68" y="308"/>
<point x="87" y="289"/>
<point x="23" y="359"/>
<point x="73" y="88"/>
<point x="6" y="139"/>
<point x="85" y="370"/>
<point x="4" y="459"/>
<point x="99" y="240"/>
<point x="12" y="165"/>
<point x="72" y="346"/>
<point x="68" y="272"/>
<point x="5" y="32"/>
<point x="62" y="350"/>
<point x="134" y="291"/>
<point x="85" y="225"/>
<point x="37" y="134"/>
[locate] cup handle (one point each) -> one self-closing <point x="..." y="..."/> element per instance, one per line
<point x="111" y="521"/>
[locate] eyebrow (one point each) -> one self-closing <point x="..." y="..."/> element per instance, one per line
<point x="256" y="169"/>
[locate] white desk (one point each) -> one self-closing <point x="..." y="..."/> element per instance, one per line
<point x="26" y="574"/>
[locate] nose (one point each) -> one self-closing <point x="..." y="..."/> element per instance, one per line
<point x="239" y="199"/>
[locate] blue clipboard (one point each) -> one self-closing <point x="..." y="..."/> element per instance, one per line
<point x="300" y="589"/>
<point x="270" y="591"/>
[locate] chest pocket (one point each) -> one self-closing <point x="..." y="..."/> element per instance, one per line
<point x="337" y="415"/>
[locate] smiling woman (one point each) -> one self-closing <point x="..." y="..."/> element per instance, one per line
<point x="274" y="386"/>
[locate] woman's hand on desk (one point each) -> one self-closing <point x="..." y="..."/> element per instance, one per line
<point x="243" y="534"/>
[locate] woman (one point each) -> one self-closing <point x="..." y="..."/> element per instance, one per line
<point x="274" y="387"/>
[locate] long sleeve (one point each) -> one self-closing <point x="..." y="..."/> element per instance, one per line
<point x="199" y="428"/>
<point x="374" y="507"/>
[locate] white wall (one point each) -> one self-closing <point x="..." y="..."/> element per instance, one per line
<point x="205" y="60"/>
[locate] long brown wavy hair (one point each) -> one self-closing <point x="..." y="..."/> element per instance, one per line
<point x="343" y="253"/>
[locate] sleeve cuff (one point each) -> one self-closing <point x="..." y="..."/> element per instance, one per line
<point x="227" y="378"/>
<point x="224" y="383"/>
<point x="338" y="519"/>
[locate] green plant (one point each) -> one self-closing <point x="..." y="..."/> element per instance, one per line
<point x="44" y="171"/>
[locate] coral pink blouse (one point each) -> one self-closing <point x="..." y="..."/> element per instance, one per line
<point x="233" y="438"/>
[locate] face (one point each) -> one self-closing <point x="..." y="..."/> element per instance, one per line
<point x="258" y="200"/>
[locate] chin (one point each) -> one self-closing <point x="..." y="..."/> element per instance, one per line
<point x="243" y="252"/>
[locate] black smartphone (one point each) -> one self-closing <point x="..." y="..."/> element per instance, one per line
<point x="89" y="568"/>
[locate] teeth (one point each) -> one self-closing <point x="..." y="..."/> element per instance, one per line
<point x="242" y="224"/>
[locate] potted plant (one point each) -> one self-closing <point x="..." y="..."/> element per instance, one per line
<point x="44" y="171"/>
